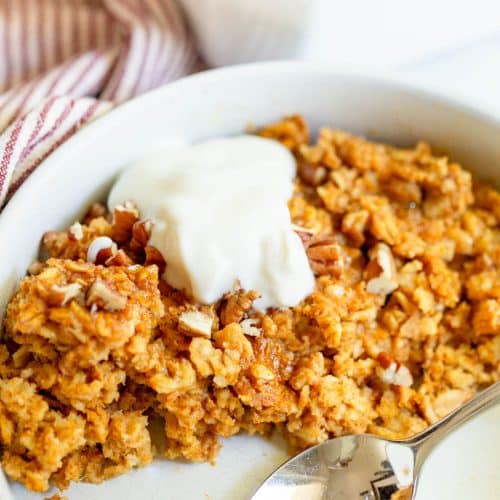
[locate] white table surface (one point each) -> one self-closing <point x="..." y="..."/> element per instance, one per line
<point x="471" y="73"/>
<point x="450" y="46"/>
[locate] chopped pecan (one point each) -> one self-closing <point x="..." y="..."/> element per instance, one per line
<point x="120" y="258"/>
<point x="313" y="154"/>
<point x="311" y="174"/>
<point x="196" y="324"/>
<point x="235" y="305"/>
<point x="141" y="231"/>
<point x="305" y="234"/>
<point x="344" y="177"/>
<point x="249" y="328"/>
<point x="381" y="272"/>
<point x="384" y="359"/>
<point x="393" y="372"/>
<point x="102" y="295"/>
<point x="305" y="237"/>
<point x="325" y="256"/>
<point x="75" y="232"/>
<point x="153" y="256"/>
<point x="60" y="295"/>
<point x="124" y="217"/>
<point x="354" y="225"/>
<point x="383" y="224"/>
<point x="100" y="250"/>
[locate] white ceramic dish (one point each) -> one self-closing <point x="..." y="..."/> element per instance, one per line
<point x="254" y="30"/>
<point x="223" y="102"/>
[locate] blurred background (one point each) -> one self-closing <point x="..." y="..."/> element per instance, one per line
<point x="450" y="45"/>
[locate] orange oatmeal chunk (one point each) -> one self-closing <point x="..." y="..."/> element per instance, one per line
<point x="402" y="327"/>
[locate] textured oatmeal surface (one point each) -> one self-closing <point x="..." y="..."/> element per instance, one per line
<point x="403" y="326"/>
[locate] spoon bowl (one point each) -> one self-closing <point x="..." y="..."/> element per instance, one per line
<point x="366" y="467"/>
<point x="359" y="466"/>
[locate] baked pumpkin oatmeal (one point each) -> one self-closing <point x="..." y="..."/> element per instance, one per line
<point x="402" y="327"/>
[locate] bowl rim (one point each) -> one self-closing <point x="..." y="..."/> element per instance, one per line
<point x="21" y="199"/>
<point x="388" y="81"/>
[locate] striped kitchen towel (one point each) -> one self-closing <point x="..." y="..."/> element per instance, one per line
<point x="65" y="62"/>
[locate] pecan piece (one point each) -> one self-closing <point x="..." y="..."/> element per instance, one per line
<point x="385" y="360"/>
<point x="196" y="324"/>
<point x="235" y="305"/>
<point x="311" y="174"/>
<point x="325" y="256"/>
<point x="354" y="225"/>
<point x="124" y="217"/>
<point x="60" y="295"/>
<point x="75" y="232"/>
<point x="381" y="271"/>
<point x="304" y="234"/>
<point x="120" y="258"/>
<point x="104" y="296"/>
<point x="392" y="372"/>
<point x="153" y="256"/>
<point x="304" y="237"/>
<point x="384" y="224"/>
<point x="141" y="231"/>
<point x="249" y="328"/>
<point x="100" y="250"/>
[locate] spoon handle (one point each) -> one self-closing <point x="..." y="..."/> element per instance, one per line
<point x="424" y="442"/>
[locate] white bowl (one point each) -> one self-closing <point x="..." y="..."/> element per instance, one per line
<point x="224" y="102"/>
<point x="230" y="32"/>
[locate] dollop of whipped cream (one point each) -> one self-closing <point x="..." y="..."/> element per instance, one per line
<point x="220" y="218"/>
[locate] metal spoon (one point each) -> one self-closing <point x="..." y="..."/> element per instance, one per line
<point x="365" y="467"/>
